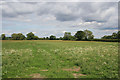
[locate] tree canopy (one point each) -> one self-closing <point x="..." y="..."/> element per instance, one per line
<point x="80" y="35"/>
<point x="3" y="36"/>
<point x="18" y="36"/>
<point x="52" y="37"/>
<point x="113" y="36"/>
<point x="88" y="35"/>
<point x="67" y="36"/>
<point x="30" y="36"/>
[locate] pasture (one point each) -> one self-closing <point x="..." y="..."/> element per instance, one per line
<point x="59" y="59"/>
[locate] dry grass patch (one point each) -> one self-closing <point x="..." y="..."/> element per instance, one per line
<point x="43" y="70"/>
<point x="76" y="75"/>
<point x="36" y="75"/>
<point x="72" y="69"/>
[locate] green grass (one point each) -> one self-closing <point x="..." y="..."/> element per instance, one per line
<point x="24" y="59"/>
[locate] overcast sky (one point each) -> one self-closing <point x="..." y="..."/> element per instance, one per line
<point x="55" y="18"/>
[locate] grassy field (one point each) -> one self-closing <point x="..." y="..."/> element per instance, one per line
<point x="59" y="59"/>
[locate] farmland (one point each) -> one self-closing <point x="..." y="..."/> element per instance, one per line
<point x="59" y="59"/>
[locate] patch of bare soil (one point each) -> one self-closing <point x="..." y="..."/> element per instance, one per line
<point x="72" y="69"/>
<point x="76" y="75"/>
<point x="43" y="70"/>
<point x="36" y="75"/>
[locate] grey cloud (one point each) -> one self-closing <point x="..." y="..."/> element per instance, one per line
<point x="61" y="11"/>
<point x="100" y="12"/>
<point x="109" y="28"/>
<point x="86" y="11"/>
<point x="66" y="17"/>
<point x="8" y="14"/>
<point x="91" y="20"/>
<point x="14" y="9"/>
<point x="73" y="11"/>
<point x="31" y="2"/>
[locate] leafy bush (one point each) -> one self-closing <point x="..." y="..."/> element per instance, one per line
<point x="106" y="40"/>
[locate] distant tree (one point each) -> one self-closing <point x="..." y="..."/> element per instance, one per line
<point x="104" y="37"/>
<point x="36" y="38"/>
<point x="88" y="35"/>
<point x="44" y="38"/>
<point x="114" y="36"/>
<point x="30" y="36"/>
<point x="3" y="36"/>
<point x="107" y="37"/>
<point x="47" y="38"/>
<point x="118" y="34"/>
<point x="60" y="38"/>
<point x="67" y="36"/>
<point x="72" y="38"/>
<point x="80" y="35"/>
<point x="18" y="36"/>
<point x="14" y="36"/>
<point x="8" y="38"/>
<point x="21" y="36"/>
<point x="52" y="37"/>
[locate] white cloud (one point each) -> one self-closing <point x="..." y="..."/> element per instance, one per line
<point x="62" y="16"/>
<point x="27" y="20"/>
<point x="62" y="0"/>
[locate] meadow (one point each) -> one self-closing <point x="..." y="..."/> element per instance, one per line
<point x="59" y="59"/>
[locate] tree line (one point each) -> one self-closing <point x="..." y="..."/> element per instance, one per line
<point x="79" y="35"/>
<point x="113" y="36"/>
